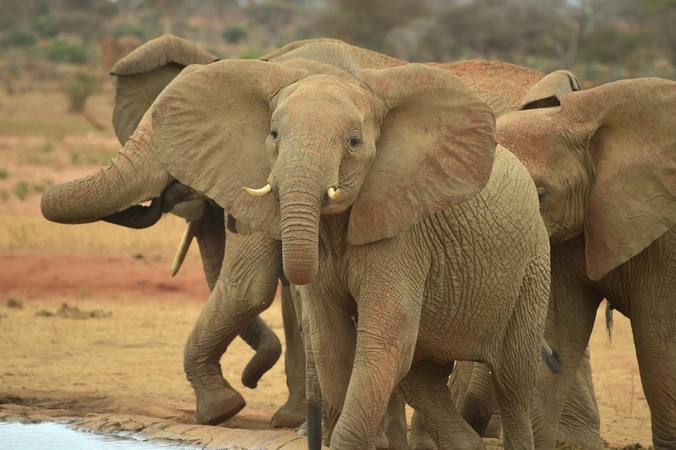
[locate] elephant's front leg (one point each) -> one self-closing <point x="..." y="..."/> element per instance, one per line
<point x="386" y="336"/>
<point x="292" y="414"/>
<point x="246" y="287"/>
<point x="332" y="337"/>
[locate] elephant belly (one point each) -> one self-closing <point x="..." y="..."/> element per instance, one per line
<point x="485" y="254"/>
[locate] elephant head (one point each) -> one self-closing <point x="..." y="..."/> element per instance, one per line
<point x="394" y="146"/>
<point x="134" y="176"/>
<point x="603" y="160"/>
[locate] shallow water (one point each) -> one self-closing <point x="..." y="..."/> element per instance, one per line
<point x="57" y="436"/>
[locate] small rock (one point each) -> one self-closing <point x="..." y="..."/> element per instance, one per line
<point x="44" y="313"/>
<point x="15" y="303"/>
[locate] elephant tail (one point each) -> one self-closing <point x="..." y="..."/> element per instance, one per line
<point x="609" y="322"/>
<point x="551" y="357"/>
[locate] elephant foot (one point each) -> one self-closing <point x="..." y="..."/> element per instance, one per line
<point x="420" y="440"/>
<point x="494" y="429"/>
<point x="291" y="415"/>
<point x="382" y="443"/>
<point x="302" y="429"/>
<point x="217" y="406"/>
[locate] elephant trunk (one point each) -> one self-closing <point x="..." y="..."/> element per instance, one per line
<point x="133" y="177"/>
<point x="300" y="199"/>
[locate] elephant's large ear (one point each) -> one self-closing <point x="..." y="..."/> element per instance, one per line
<point x="209" y="128"/>
<point x="548" y="91"/>
<point x="140" y="76"/>
<point x="633" y="198"/>
<point x="436" y="148"/>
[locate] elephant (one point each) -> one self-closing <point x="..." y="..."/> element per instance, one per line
<point x="330" y="197"/>
<point x="165" y="65"/>
<point x="138" y="79"/>
<point x="603" y="161"/>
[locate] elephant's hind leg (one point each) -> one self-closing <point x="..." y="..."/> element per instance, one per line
<point x="655" y="342"/>
<point x="514" y="368"/>
<point x="425" y="389"/>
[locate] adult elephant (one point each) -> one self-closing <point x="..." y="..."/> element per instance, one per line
<point x="318" y="134"/>
<point x="133" y="177"/>
<point x="604" y="163"/>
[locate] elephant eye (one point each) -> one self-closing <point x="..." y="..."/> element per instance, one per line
<point x="541" y="194"/>
<point x="354" y="142"/>
<point x="273" y="133"/>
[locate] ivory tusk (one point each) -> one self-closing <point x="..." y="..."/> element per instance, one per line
<point x="262" y="192"/>
<point x="334" y="194"/>
<point x="547" y="348"/>
<point x="190" y="231"/>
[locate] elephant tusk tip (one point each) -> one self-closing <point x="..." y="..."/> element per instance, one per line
<point x="334" y="194"/>
<point x="262" y="192"/>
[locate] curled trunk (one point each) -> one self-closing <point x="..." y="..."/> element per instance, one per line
<point x="133" y="177"/>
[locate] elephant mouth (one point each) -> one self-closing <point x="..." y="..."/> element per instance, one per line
<point x="139" y="216"/>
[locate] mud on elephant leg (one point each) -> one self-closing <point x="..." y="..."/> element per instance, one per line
<point x="292" y="414"/>
<point x="425" y="388"/>
<point x="246" y="287"/>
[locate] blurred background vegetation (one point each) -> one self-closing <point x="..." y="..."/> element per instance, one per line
<point x="51" y="44"/>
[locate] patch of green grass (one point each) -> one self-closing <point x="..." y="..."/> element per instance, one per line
<point x="41" y="187"/>
<point x="21" y="190"/>
<point x="51" y="129"/>
<point x="4" y="173"/>
<point x="92" y="158"/>
<point x="38" y="159"/>
<point x="47" y="148"/>
<point x="251" y="53"/>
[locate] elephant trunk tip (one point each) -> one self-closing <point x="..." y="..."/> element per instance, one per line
<point x="51" y="210"/>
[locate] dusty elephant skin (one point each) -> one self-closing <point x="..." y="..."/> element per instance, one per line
<point x="603" y="161"/>
<point x="134" y="177"/>
<point x="398" y="224"/>
<point x="149" y="70"/>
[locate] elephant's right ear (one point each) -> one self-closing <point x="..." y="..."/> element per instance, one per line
<point x="209" y="129"/>
<point x="548" y="91"/>
<point x="140" y="76"/>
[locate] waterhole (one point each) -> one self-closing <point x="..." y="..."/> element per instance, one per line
<point x="57" y="436"/>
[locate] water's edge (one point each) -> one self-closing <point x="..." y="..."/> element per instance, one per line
<point x="15" y="435"/>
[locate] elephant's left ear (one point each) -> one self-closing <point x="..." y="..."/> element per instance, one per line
<point x="548" y="91"/>
<point x="436" y="148"/>
<point x="633" y="198"/>
<point x="140" y="76"/>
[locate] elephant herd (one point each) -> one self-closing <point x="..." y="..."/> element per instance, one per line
<point x="426" y="220"/>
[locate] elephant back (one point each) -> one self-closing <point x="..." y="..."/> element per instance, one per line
<point x="501" y="85"/>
